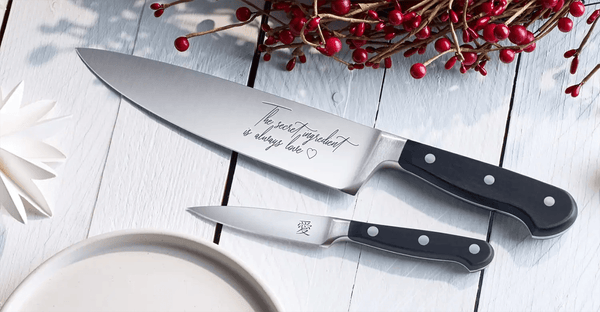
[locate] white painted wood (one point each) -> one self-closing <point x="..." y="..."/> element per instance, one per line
<point x="3" y="4"/>
<point x="554" y="138"/>
<point x="38" y="47"/>
<point x="155" y="171"/>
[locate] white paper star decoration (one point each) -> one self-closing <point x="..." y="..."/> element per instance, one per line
<point x="23" y="155"/>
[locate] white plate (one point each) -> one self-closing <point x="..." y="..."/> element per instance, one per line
<point x="140" y="271"/>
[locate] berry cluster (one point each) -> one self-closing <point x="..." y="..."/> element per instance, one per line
<point x="377" y="29"/>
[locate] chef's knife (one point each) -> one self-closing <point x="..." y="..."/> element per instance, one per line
<point x="320" y="146"/>
<point x="473" y="254"/>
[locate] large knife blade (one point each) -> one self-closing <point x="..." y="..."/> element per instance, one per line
<point x="473" y="254"/>
<point x="320" y="146"/>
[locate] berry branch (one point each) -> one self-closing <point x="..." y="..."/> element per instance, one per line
<point x="377" y="29"/>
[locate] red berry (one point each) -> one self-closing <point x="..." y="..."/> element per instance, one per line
<point x="359" y="66"/>
<point x="271" y="41"/>
<point x="487" y="7"/>
<point x="565" y="24"/>
<point x="379" y="26"/>
<point x="296" y="25"/>
<point x="409" y="16"/>
<point x="482" y="71"/>
<point x="453" y="17"/>
<point x="360" y="55"/>
<point x="577" y="9"/>
<point x="593" y="17"/>
<point x="333" y="45"/>
<point x="507" y="55"/>
<point x="501" y="31"/>
<point x="575" y="91"/>
<point x="444" y="17"/>
<point x="463" y="68"/>
<point x="422" y="49"/>
<point x="498" y="10"/>
<point x="481" y="23"/>
<point x="412" y="24"/>
<point x="340" y="7"/>
<point x="182" y="44"/>
<point x="376" y="66"/>
<point x="518" y="34"/>
<point x="158" y="13"/>
<point x="472" y="33"/>
<point x="155" y="6"/>
<point x="265" y="27"/>
<point x="443" y="45"/>
<point x="372" y="14"/>
<point x="286" y="36"/>
<point x="530" y="38"/>
<point x="410" y="52"/>
<point x="291" y="64"/>
<point x="450" y="62"/>
<point x="558" y="6"/>
<point x="570" y="53"/>
<point x="549" y="4"/>
<point x="359" y="43"/>
<point x="267" y="57"/>
<point x="387" y="62"/>
<point x="395" y="17"/>
<point x="470" y="58"/>
<point x="488" y="33"/>
<point x="574" y="65"/>
<point x="423" y="33"/>
<point x="418" y="71"/>
<point x="369" y="64"/>
<point x="360" y="29"/>
<point x="313" y="23"/>
<point x="297" y="12"/>
<point x="465" y="36"/>
<point x="570" y="89"/>
<point x="302" y="58"/>
<point x="242" y="14"/>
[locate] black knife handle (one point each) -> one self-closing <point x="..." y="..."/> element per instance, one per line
<point x="473" y="254"/>
<point x="546" y="210"/>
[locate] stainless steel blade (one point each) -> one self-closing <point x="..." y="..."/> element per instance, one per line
<point x="297" y="138"/>
<point x="305" y="228"/>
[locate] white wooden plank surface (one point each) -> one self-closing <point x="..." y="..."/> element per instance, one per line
<point x="154" y="171"/>
<point x="555" y="138"/>
<point x="3" y="4"/>
<point x="38" y="47"/>
<point x="440" y="111"/>
<point x="309" y="279"/>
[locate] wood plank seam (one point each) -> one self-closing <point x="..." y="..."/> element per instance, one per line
<point x="5" y="20"/>
<point x="234" y="155"/>
<point x="380" y="94"/>
<point x="501" y="162"/>
<point x="113" y="131"/>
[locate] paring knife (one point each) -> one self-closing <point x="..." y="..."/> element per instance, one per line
<point x="320" y="146"/>
<point x="473" y="254"/>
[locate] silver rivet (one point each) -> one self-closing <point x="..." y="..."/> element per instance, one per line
<point x="430" y="158"/>
<point x="549" y="201"/>
<point x="372" y="231"/>
<point x="489" y="180"/>
<point x="423" y="240"/>
<point x="474" y="249"/>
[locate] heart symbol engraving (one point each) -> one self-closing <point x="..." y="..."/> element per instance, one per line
<point x="311" y="152"/>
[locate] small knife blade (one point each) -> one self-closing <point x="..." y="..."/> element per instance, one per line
<point x="473" y="254"/>
<point x="320" y="146"/>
